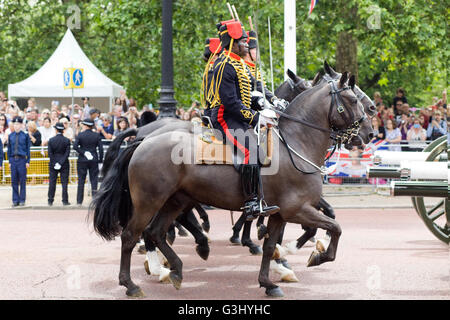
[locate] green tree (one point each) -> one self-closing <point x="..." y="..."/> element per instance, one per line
<point x="123" y="39"/>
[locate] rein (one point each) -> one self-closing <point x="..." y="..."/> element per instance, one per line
<point x="339" y="136"/>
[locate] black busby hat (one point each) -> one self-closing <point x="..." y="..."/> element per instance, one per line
<point x="59" y="126"/>
<point x="88" y="122"/>
<point x="252" y="40"/>
<point x="17" y="120"/>
<point x="233" y="30"/>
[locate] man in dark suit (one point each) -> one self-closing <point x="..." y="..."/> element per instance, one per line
<point x="1" y="155"/>
<point x="86" y="144"/>
<point x="58" y="152"/>
<point x="19" y="160"/>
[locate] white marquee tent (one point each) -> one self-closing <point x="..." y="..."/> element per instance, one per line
<point x="48" y="82"/>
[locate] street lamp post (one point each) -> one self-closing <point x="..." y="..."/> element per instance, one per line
<point x="167" y="103"/>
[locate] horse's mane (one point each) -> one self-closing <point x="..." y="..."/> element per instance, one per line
<point x="304" y="95"/>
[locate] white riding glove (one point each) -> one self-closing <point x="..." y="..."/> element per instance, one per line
<point x="57" y="166"/>
<point x="258" y="99"/>
<point x="88" y="155"/>
<point x="280" y="104"/>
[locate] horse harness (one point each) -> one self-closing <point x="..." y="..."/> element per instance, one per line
<point x="339" y="136"/>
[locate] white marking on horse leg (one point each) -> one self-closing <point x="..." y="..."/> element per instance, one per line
<point x="153" y="263"/>
<point x="285" y="274"/>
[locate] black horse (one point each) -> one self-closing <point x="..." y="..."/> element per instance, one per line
<point x="134" y="196"/>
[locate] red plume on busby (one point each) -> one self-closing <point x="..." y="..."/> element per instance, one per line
<point x="232" y="30"/>
<point x="212" y="45"/>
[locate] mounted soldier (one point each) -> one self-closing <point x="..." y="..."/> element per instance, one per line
<point x="250" y="60"/>
<point x="233" y="115"/>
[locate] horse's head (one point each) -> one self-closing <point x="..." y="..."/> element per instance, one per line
<point x="366" y="130"/>
<point x="332" y="105"/>
<point x="368" y="104"/>
<point x="292" y="87"/>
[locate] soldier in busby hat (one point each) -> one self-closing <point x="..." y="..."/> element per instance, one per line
<point x="250" y="60"/>
<point x="233" y="115"/>
<point x="19" y="160"/>
<point x="89" y="146"/>
<point x="58" y="152"/>
<point x="212" y="51"/>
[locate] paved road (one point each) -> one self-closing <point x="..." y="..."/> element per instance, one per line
<point x="383" y="254"/>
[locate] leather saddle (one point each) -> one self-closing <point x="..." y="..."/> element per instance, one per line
<point x="212" y="150"/>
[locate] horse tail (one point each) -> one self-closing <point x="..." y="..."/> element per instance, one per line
<point x="114" y="149"/>
<point x="112" y="205"/>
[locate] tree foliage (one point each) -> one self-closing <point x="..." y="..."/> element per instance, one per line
<point x="123" y="39"/>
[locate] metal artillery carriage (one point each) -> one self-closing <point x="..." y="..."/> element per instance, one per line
<point x="420" y="175"/>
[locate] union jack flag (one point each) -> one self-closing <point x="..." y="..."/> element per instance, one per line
<point x="312" y="5"/>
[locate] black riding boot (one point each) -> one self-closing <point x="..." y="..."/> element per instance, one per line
<point x="250" y="177"/>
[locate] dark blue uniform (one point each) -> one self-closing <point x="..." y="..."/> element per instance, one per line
<point x="19" y="155"/>
<point x="1" y="154"/>
<point x="88" y="141"/>
<point x="232" y="103"/>
<point x="58" y="152"/>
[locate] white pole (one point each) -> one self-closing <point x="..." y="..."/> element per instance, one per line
<point x="290" y="40"/>
<point x="270" y="48"/>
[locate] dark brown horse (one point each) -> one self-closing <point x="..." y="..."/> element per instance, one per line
<point x="288" y="90"/>
<point x="146" y="185"/>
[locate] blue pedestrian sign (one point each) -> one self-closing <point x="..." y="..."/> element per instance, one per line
<point x="73" y="78"/>
<point x="77" y="78"/>
<point x="66" y="78"/>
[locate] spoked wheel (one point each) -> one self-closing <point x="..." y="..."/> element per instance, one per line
<point x="436" y="218"/>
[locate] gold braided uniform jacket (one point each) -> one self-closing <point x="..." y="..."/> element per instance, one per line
<point x="269" y="95"/>
<point x="230" y="92"/>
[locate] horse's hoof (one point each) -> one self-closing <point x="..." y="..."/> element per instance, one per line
<point x="320" y="246"/>
<point x="135" y="293"/>
<point x="142" y="250"/>
<point x="203" y="252"/>
<point x="289" y="277"/>
<point x="262" y="232"/>
<point x="285" y="264"/>
<point x="146" y="267"/>
<point x="275" y="292"/>
<point x="314" y="259"/>
<point x="235" y="240"/>
<point x="206" y="226"/>
<point x="175" y="279"/>
<point x="164" y="275"/>
<point x="255" y="250"/>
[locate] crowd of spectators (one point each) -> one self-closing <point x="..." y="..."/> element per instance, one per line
<point x="399" y="124"/>
<point x="396" y="121"/>
<point x="39" y="124"/>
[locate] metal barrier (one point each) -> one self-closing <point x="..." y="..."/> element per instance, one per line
<point x="350" y="176"/>
<point x="38" y="173"/>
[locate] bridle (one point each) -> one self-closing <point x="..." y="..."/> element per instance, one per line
<point x="338" y="135"/>
<point x="352" y="125"/>
<point x="294" y="86"/>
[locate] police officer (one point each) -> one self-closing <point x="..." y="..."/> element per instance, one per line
<point x="86" y="144"/>
<point x="19" y="160"/>
<point x="1" y="154"/>
<point x="233" y="113"/>
<point x="58" y="152"/>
